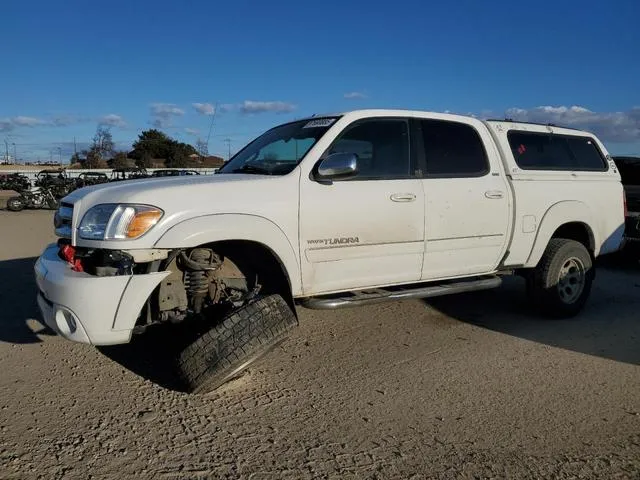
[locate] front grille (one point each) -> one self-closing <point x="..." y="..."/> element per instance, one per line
<point x="62" y="220"/>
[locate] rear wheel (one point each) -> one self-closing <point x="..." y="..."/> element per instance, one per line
<point x="561" y="283"/>
<point x="15" y="204"/>
<point x="224" y="351"/>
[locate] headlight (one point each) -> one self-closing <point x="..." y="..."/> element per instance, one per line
<point x="111" y="221"/>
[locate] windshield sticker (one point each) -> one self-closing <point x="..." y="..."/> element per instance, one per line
<point x="320" y="122"/>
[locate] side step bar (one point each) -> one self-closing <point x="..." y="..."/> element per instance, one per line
<point x="378" y="295"/>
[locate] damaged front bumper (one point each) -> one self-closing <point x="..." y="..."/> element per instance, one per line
<point x="98" y="310"/>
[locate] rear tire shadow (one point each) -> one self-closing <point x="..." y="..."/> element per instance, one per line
<point x="607" y="327"/>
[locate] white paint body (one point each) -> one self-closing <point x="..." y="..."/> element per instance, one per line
<point x="422" y="229"/>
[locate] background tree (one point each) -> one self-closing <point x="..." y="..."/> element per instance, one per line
<point x="120" y="160"/>
<point x="103" y="142"/>
<point x="178" y="155"/>
<point x="75" y="159"/>
<point x="151" y="143"/>
<point x="144" y="161"/>
<point x="156" y="144"/>
<point x="93" y="159"/>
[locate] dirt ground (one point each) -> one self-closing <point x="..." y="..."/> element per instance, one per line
<point x="472" y="386"/>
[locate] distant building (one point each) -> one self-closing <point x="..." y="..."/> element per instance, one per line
<point x="210" y="161"/>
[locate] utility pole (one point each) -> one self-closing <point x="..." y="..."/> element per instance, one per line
<point x="6" y="148"/>
<point x="213" y="117"/>
<point x="15" y="155"/>
<point x="228" y="142"/>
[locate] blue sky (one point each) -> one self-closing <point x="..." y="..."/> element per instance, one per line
<point x="133" y="64"/>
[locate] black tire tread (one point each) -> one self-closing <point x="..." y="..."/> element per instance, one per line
<point x="542" y="289"/>
<point x="12" y="199"/>
<point x="246" y="332"/>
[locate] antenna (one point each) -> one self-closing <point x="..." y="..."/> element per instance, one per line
<point x="228" y="142"/>
<point x="213" y="117"/>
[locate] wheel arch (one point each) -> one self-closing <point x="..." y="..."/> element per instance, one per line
<point x="567" y="219"/>
<point x="236" y="235"/>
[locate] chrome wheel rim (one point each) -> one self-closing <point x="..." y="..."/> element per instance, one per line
<point x="571" y="280"/>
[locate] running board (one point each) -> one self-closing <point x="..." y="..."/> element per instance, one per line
<point x="386" y="294"/>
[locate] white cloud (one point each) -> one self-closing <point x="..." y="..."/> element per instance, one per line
<point x="162" y="113"/>
<point x="226" y="107"/>
<point x="355" y="95"/>
<point x="192" y="131"/>
<point x="609" y="126"/>
<point x="21" y="121"/>
<point x="112" y="120"/>
<point x="9" y="124"/>
<point x="250" y="106"/>
<point x="204" y="108"/>
<point x="6" y="125"/>
<point x="166" y="109"/>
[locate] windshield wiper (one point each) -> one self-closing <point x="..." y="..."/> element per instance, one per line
<point x="252" y="169"/>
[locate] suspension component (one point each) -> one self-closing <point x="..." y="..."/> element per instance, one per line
<point x="197" y="268"/>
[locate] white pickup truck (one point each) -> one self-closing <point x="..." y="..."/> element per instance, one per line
<point x="327" y="212"/>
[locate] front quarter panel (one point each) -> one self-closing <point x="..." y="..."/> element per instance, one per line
<point x="220" y="227"/>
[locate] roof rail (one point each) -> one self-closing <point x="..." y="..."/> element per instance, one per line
<point x="549" y="124"/>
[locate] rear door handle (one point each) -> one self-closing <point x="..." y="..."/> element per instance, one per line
<point x="494" y="194"/>
<point x="403" y="197"/>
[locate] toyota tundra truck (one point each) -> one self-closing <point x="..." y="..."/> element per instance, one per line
<point x="328" y="212"/>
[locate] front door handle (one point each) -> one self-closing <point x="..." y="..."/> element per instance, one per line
<point x="403" y="197"/>
<point x="494" y="194"/>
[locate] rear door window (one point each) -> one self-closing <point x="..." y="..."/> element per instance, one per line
<point x="453" y="149"/>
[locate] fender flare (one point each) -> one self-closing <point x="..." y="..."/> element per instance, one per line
<point x="561" y="213"/>
<point x="227" y="227"/>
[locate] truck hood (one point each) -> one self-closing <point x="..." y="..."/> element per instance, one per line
<point x="180" y="198"/>
<point x="126" y="190"/>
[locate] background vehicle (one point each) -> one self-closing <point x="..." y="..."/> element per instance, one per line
<point x="36" y="197"/>
<point x="15" y="182"/>
<point x="173" y="173"/>
<point x="128" y="173"/>
<point x="56" y="181"/>
<point x="331" y="212"/>
<point x="630" y="173"/>
<point x="91" y="178"/>
<point x="46" y="178"/>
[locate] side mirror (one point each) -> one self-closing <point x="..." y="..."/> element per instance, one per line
<point x="338" y="166"/>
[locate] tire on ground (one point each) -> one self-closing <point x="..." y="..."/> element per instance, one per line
<point x="15" y="204"/>
<point x="543" y="284"/>
<point x="225" y="350"/>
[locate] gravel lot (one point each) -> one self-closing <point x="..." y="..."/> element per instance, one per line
<point x="469" y="386"/>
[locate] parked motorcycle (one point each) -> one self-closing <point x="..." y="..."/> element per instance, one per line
<point x="15" y="182"/>
<point x="36" y="197"/>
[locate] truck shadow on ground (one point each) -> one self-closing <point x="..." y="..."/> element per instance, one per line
<point x="608" y="327"/>
<point x="19" y="318"/>
<point x="151" y="356"/>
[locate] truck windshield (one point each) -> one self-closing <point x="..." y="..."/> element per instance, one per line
<point x="279" y="150"/>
